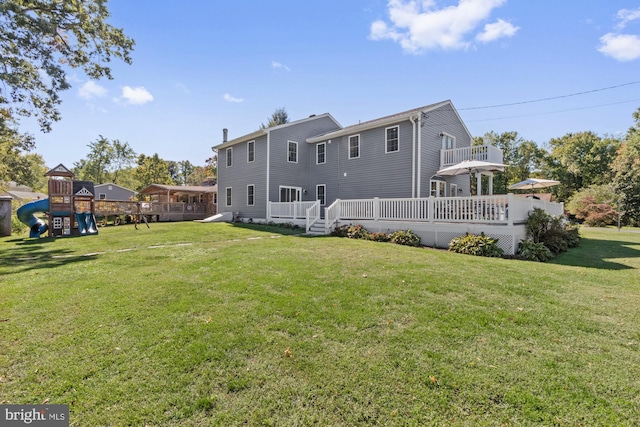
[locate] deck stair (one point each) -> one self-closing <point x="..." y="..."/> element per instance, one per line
<point x="317" y="228"/>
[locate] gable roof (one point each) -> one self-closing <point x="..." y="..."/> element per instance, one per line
<point x="100" y="186"/>
<point x="60" y="170"/>
<point x="261" y="132"/>
<point x="179" y="188"/>
<point x="387" y="120"/>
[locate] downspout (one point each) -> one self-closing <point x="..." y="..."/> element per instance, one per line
<point x="419" y="178"/>
<point x="268" y="172"/>
<point x="413" y="157"/>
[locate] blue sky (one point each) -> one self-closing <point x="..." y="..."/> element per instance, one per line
<point x="202" y="66"/>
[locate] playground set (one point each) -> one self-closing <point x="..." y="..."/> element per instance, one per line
<point x="69" y="208"/>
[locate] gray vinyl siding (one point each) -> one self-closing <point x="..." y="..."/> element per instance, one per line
<point x="376" y="173"/>
<point x="327" y="173"/>
<point x="440" y="120"/>
<point x="240" y="175"/>
<point x="115" y="193"/>
<point x="296" y="174"/>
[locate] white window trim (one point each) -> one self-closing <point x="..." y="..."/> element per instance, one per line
<point x="386" y="140"/>
<point x="229" y="155"/>
<point x="251" y="144"/>
<point x="453" y="190"/>
<point x="448" y="135"/>
<point x="253" y="194"/>
<point x="325" y="153"/>
<point x="297" y="153"/>
<point x="349" y="146"/>
<point x="228" y="196"/>
<point x="298" y="191"/>
<point x="102" y="196"/>
<point x="325" y="193"/>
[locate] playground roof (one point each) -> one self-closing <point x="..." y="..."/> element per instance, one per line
<point x="178" y="189"/>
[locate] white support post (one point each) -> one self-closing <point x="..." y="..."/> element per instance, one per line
<point x="376" y="209"/>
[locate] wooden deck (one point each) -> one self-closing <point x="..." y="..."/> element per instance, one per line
<point x="154" y="211"/>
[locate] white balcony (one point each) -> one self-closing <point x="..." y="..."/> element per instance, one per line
<point x="485" y="153"/>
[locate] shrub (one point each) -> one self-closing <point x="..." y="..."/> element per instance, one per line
<point x="595" y="214"/>
<point x="340" y="231"/>
<point x="357" y="232"/>
<point x="554" y="232"/>
<point x="406" y="238"/>
<point x="380" y="237"/>
<point x="472" y="244"/>
<point x="532" y="251"/>
<point x="17" y="227"/>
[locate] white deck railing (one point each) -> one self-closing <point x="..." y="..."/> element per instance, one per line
<point x="288" y="210"/>
<point x="313" y="214"/>
<point x="485" y="153"/>
<point x="497" y="209"/>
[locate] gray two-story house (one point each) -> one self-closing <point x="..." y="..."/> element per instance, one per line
<point x="315" y="158"/>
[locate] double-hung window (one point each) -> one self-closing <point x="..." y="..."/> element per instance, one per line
<point x="251" y="151"/>
<point x="229" y="156"/>
<point x="251" y="194"/>
<point x="354" y="146"/>
<point x="392" y="139"/>
<point x="292" y="152"/>
<point x="228" y="196"/>
<point x="321" y="153"/>
<point x="448" y="142"/>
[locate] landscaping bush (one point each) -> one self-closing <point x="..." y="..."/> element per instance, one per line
<point x="532" y="251"/>
<point x="340" y="231"/>
<point x="472" y="244"/>
<point x="406" y="238"/>
<point x="379" y="237"/>
<point x="357" y="232"/>
<point x="554" y="232"/>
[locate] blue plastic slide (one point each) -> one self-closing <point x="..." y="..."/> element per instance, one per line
<point x="26" y="215"/>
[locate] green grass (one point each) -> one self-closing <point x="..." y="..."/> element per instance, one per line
<point x="190" y="324"/>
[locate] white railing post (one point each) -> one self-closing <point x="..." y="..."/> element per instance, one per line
<point x="376" y="209"/>
<point x="510" y="207"/>
<point x="430" y="208"/>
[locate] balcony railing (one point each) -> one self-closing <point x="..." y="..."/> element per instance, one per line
<point x="485" y="153"/>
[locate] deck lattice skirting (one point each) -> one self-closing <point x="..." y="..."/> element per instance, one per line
<point x="436" y="220"/>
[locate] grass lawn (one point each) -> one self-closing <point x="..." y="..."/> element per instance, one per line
<point x="187" y="324"/>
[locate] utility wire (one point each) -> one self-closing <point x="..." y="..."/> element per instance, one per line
<point x="554" y="112"/>
<point x="551" y="98"/>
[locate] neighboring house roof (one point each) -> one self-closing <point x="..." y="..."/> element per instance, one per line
<point x="156" y="188"/>
<point x="22" y="192"/>
<point x="100" y="186"/>
<point x="25" y="195"/>
<point x="383" y="121"/>
<point x="261" y="132"/>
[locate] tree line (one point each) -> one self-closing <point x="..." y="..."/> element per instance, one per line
<point x="599" y="175"/>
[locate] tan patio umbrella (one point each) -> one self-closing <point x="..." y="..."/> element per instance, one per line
<point x="471" y="166"/>
<point x="533" y="183"/>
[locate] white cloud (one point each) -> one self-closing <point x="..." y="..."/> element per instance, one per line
<point x="136" y="95"/>
<point x="626" y="15"/>
<point x="276" y="65"/>
<point x="621" y="47"/>
<point x="91" y="89"/>
<point x="418" y="25"/>
<point x="227" y="97"/>
<point x="496" y="31"/>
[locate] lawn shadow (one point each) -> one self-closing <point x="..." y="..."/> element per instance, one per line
<point x="34" y="254"/>
<point x="596" y="253"/>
